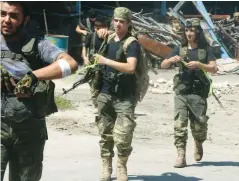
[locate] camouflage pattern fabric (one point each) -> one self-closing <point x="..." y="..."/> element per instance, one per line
<point x="192" y="107"/>
<point x="94" y="94"/>
<point x="4" y="73"/>
<point x="122" y="13"/>
<point x="193" y="22"/>
<point x="25" y="85"/>
<point x="116" y="124"/>
<point x="22" y="146"/>
<point x="7" y="81"/>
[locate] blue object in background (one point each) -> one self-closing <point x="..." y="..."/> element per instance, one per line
<point x="60" y="41"/>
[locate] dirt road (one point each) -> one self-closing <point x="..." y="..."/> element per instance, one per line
<point x="72" y="151"/>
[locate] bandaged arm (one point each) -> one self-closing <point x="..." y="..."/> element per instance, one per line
<point x="62" y="67"/>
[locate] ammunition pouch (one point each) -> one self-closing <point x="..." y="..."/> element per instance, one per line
<point x="121" y="86"/>
<point x="16" y="110"/>
<point x="201" y="85"/>
<point x="180" y="86"/>
<point x="200" y="89"/>
<point x="41" y="103"/>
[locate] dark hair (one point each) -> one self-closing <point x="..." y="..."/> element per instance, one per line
<point x="102" y="22"/>
<point x="200" y="39"/>
<point x="25" y="10"/>
<point x="91" y="13"/>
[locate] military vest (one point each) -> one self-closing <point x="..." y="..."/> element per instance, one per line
<point x="187" y="81"/>
<point x="142" y="68"/>
<point x="42" y="102"/>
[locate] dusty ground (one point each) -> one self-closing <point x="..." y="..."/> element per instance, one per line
<point x="72" y="151"/>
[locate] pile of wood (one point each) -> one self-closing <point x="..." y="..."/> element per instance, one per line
<point x="228" y="31"/>
<point x="161" y="32"/>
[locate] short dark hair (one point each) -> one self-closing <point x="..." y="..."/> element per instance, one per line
<point x="23" y="5"/>
<point x="91" y="13"/>
<point x="101" y="22"/>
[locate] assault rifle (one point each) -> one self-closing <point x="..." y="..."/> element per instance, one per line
<point x="206" y="80"/>
<point x="90" y="73"/>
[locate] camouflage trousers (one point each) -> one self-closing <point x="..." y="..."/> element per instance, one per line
<point x="116" y="124"/>
<point x="194" y="108"/>
<point x="22" y="146"/>
<point x="94" y="95"/>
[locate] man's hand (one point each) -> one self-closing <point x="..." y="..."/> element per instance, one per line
<point x="7" y="79"/>
<point x="84" y="32"/>
<point x="86" y="60"/>
<point x="102" y="33"/>
<point x="193" y="64"/>
<point x="175" y="59"/>
<point x="24" y="87"/>
<point x="100" y="59"/>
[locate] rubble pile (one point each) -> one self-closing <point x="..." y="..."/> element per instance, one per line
<point x="231" y="28"/>
<point x="163" y="86"/>
<point x="228" y="31"/>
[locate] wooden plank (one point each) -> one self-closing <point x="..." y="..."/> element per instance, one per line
<point x="153" y="46"/>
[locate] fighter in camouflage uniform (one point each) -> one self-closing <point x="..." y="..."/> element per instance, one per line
<point x="116" y="101"/>
<point x="26" y="95"/>
<point x="190" y="96"/>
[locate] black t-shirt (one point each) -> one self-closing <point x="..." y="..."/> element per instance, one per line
<point x="98" y="41"/>
<point x="127" y="82"/>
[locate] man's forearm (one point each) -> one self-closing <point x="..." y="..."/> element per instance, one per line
<point x="208" y="67"/>
<point x="54" y="71"/>
<point x="166" y="63"/>
<point x="122" y="67"/>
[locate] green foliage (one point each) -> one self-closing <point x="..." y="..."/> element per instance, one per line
<point x="63" y="103"/>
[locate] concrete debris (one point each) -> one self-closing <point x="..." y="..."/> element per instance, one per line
<point x="226" y="66"/>
<point x="166" y="87"/>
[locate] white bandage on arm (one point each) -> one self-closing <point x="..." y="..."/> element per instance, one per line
<point x="65" y="67"/>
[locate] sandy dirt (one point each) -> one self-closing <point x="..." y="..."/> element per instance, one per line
<point x="72" y="151"/>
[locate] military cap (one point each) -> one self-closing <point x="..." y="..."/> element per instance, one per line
<point x="122" y="13"/>
<point x="193" y="22"/>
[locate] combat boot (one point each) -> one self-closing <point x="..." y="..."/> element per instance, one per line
<point x="181" y="159"/>
<point x="106" y="169"/>
<point x="122" y="169"/>
<point x="198" y="150"/>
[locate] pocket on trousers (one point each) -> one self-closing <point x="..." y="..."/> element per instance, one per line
<point x="16" y="110"/>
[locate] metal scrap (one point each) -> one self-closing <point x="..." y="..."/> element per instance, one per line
<point x="228" y="30"/>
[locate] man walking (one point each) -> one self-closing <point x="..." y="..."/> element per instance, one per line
<point x="190" y="92"/>
<point x="116" y="101"/>
<point x="27" y="63"/>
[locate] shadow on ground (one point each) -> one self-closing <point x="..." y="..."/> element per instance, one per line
<point x="169" y="176"/>
<point x="216" y="164"/>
